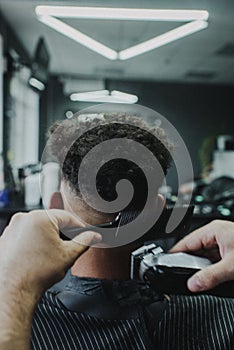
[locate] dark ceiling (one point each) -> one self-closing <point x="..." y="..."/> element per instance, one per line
<point x="204" y="57"/>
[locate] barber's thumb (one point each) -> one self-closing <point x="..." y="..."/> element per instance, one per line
<point x="81" y="243"/>
<point x="207" y="278"/>
<point x="87" y="238"/>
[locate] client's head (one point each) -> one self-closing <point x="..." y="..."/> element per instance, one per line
<point x="73" y="139"/>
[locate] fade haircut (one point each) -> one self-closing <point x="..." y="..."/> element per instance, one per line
<point x="84" y="131"/>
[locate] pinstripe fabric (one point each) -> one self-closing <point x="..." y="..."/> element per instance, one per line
<point x="57" y="328"/>
<point x="187" y="323"/>
<point x="197" y="323"/>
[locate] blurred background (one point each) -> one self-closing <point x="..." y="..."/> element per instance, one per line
<point x="184" y="69"/>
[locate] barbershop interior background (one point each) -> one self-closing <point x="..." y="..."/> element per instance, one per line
<point x="49" y="70"/>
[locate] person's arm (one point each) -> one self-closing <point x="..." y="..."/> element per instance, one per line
<point x="215" y="241"/>
<point x="17" y="307"/>
<point x="33" y="258"/>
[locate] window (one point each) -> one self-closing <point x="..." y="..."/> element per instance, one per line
<point x="24" y="121"/>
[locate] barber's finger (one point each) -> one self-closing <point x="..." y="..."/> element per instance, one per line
<point x="211" y="276"/>
<point x="87" y="238"/>
<point x="80" y="244"/>
<point x="62" y="218"/>
<point x="202" y="238"/>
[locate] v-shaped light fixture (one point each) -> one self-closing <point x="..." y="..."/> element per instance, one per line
<point x="197" y="20"/>
<point x="114" y="96"/>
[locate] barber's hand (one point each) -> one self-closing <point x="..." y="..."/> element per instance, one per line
<point x="32" y="255"/>
<point x="32" y="258"/>
<point x="215" y="241"/>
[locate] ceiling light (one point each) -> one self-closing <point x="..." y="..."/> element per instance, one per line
<point x="197" y="18"/>
<point x="163" y="39"/>
<point x="79" y="96"/>
<point x="129" y="98"/>
<point x="104" y="96"/>
<point x="79" y="37"/>
<point x="122" y="13"/>
<point x="36" y="84"/>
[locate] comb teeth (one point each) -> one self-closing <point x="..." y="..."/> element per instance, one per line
<point x="128" y="216"/>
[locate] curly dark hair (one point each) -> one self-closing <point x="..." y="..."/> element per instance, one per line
<point x="72" y="139"/>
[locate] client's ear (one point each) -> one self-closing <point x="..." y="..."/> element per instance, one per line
<point x="56" y="201"/>
<point x="160" y="202"/>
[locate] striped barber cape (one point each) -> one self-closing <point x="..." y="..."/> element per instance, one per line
<point x="92" y="314"/>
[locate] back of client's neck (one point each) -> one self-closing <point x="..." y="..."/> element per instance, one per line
<point x="105" y="263"/>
